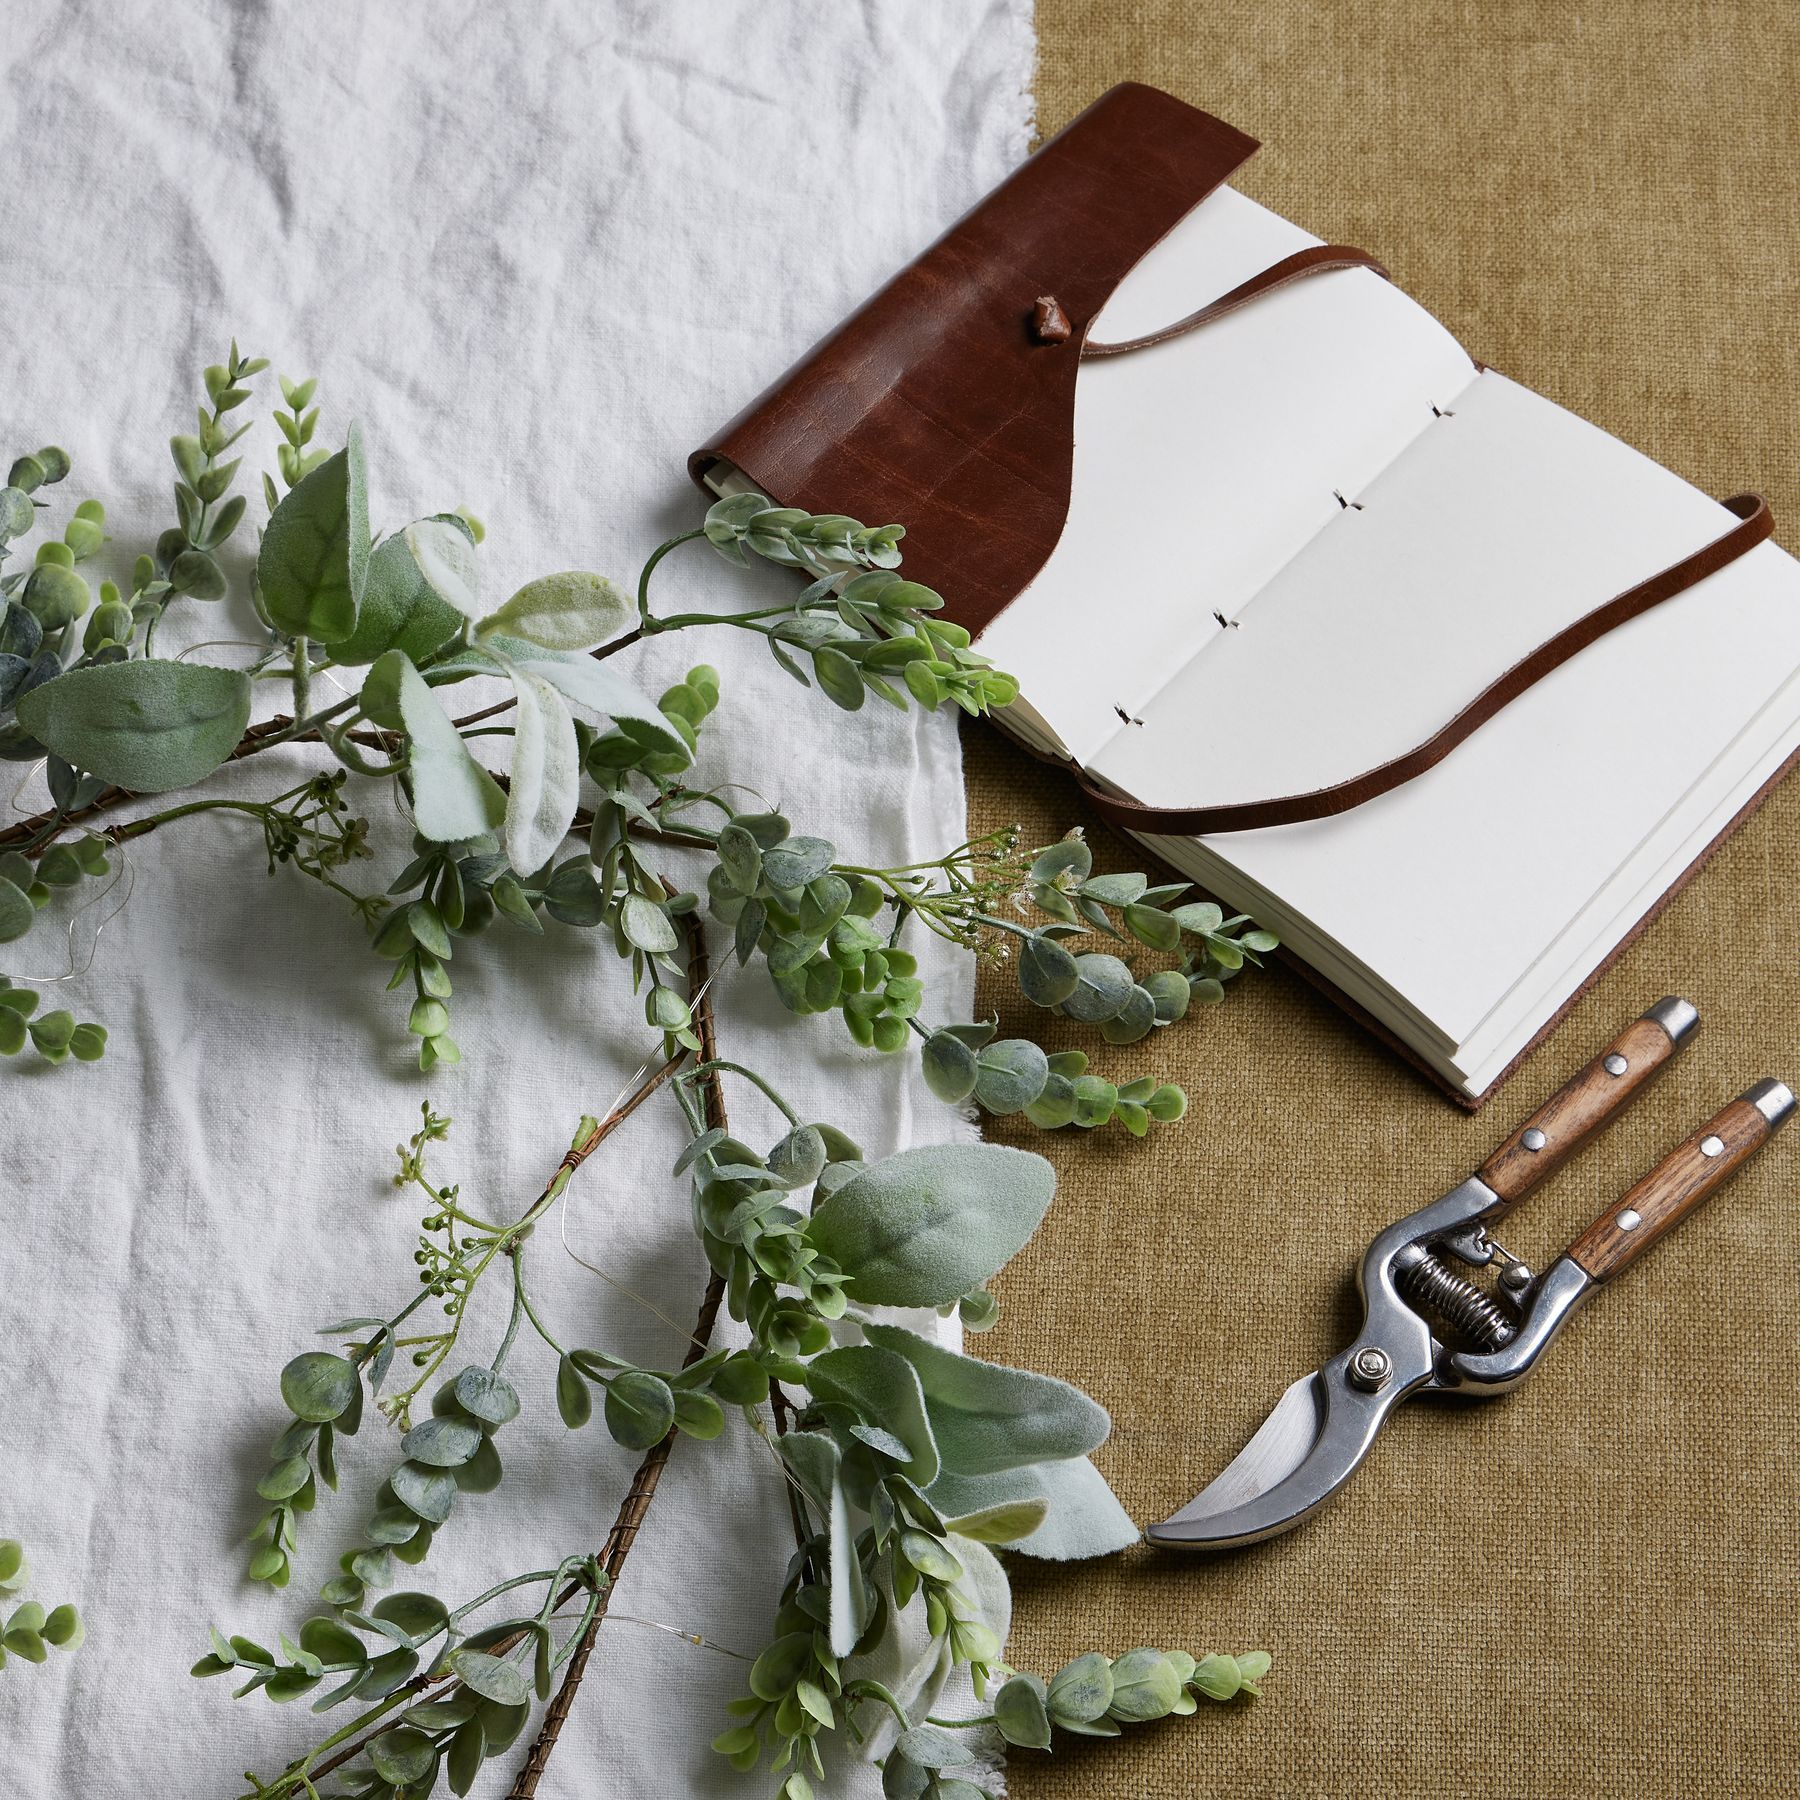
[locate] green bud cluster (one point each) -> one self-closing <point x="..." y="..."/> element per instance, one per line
<point x="28" y="1632"/>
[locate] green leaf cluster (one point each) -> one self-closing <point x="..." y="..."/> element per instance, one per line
<point x="206" y="510"/>
<point x="450" y="1453"/>
<point x="28" y="1632"/>
<point x="324" y="1394"/>
<point x="1093" y="1696"/>
<point x="642" y="1406"/>
<point x="813" y="924"/>
<point x="55" y="1036"/>
<point x="857" y="629"/>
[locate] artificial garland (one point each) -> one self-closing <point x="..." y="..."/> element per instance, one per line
<point x="905" y="1460"/>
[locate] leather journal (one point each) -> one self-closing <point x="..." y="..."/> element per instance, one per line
<point x="1445" y="686"/>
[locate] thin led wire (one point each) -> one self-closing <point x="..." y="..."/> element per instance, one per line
<point x="687" y="1637"/>
<point x="125" y="876"/>
<point x="32" y="772"/>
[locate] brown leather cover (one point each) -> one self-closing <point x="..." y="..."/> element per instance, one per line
<point x="936" y="403"/>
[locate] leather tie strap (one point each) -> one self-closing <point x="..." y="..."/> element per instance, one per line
<point x="1755" y="523"/>
<point x="1313" y="261"/>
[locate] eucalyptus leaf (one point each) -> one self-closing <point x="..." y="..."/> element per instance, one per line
<point x="639" y="1409"/>
<point x="1102" y="984"/>
<point x="949" y="1066"/>
<point x="16" y="913"/>
<point x="148" y="726"/>
<point x="489" y="1676"/>
<point x="1021" y="1712"/>
<point x="1048" y="974"/>
<point x="1010" y="1074"/>
<point x="318" y="1385"/>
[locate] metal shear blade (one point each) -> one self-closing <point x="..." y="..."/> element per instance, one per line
<point x="1302" y="1453"/>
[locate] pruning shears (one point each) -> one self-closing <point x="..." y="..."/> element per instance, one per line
<point x="1429" y="1328"/>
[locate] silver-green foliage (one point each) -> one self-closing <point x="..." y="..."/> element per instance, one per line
<point x="27" y="1631"/>
<point x="908" y="1461"/>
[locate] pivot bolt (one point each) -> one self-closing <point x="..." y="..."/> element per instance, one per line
<point x="1370" y="1369"/>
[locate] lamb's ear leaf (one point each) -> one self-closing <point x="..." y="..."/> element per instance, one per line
<point x="924" y="1227"/>
<point x="849" y="1596"/>
<point x="443" y="549"/>
<point x="883" y="1387"/>
<point x="546" y="770"/>
<point x="401" y="610"/>
<point x="570" y="611"/>
<point x="594" y="686"/>
<point x="454" y="797"/>
<point x="1083" y="1517"/>
<point x="314" y="560"/>
<point x="148" y="726"/>
<point x="987" y="1418"/>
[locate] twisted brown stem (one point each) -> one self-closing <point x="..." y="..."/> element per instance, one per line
<point x="649" y="1472"/>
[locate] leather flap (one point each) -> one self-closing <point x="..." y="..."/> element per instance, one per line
<point x="937" y="405"/>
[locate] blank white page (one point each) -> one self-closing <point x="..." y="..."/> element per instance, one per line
<point x="1452" y="887"/>
<point x="1502" y="524"/>
<point x="1203" y="464"/>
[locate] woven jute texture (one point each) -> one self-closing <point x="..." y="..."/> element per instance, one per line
<point x="1593" y="1586"/>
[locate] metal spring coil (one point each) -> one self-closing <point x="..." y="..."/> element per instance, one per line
<point x="1427" y="1281"/>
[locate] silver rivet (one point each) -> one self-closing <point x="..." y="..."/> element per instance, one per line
<point x="1712" y="1146"/>
<point x="1516" y="1278"/>
<point x="1630" y="1219"/>
<point x="1615" y="1064"/>
<point x="1534" y="1139"/>
<point x="1370" y="1368"/>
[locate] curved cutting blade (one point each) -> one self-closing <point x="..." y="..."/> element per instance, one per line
<point x="1303" y="1452"/>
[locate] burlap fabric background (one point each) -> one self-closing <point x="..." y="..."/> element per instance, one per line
<point x="1592" y="1587"/>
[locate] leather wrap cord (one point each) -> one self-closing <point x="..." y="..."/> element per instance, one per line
<point x="1315" y="260"/>
<point x="1755" y="523"/>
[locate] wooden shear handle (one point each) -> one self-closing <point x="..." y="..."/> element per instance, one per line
<point x="1685" y="1177"/>
<point x="1588" y="1101"/>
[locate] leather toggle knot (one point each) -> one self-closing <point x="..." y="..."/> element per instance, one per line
<point x="1049" y="323"/>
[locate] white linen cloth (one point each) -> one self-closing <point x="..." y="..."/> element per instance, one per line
<point x="540" y="251"/>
